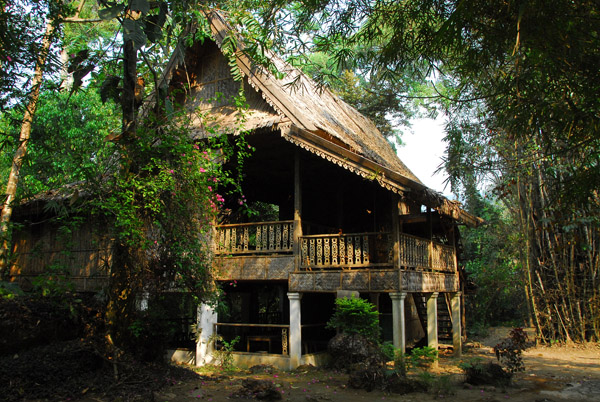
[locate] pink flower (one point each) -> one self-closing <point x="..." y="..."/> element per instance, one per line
<point x="8" y="58"/>
<point x="196" y="146"/>
<point x="171" y="171"/>
<point x="209" y="188"/>
<point x="202" y="170"/>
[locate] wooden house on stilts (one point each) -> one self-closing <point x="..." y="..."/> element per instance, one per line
<point x="342" y="216"/>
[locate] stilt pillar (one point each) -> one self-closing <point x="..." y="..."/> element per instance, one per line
<point x="432" y="323"/>
<point x="456" y="324"/>
<point x="206" y="320"/>
<point x="399" y="320"/>
<point x="295" y="346"/>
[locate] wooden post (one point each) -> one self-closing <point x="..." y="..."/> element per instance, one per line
<point x="396" y="231"/>
<point x="430" y="248"/>
<point x="456" y="324"/>
<point x="297" y="210"/>
<point x="453" y="242"/>
<point x="432" y="324"/>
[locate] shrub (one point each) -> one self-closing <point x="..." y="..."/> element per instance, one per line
<point x="423" y="357"/>
<point x="223" y="351"/>
<point x="509" y="351"/>
<point x="355" y="316"/>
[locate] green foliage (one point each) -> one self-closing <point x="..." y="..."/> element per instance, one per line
<point x="400" y="363"/>
<point x="510" y="350"/>
<point x="22" y="27"/>
<point x="164" y="202"/>
<point x="223" y="350"/>
<point x="423" y="357"/>
<point x="491" y="254"/>
<point x="355" y="316"/>
<point x="67" y="142"/>
<point x="441" y="386"/>
<point x="149" y="331"/>
<point x="9" y="290"/>
<point x="388" y="351"/>
<point x="54" y="282"/>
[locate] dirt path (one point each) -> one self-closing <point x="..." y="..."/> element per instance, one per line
<point x="552" y="374"/>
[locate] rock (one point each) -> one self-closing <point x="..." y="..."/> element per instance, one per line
<point x="487" y="374"/>
<point x="262" y="368"/>
<point x="347" y="350"/>
<point x="305" y="368"/>
<point x="258" y="389"/>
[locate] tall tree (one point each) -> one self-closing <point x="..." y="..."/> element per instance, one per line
<point x="54" y="13"/>
<point x="25" y="133"/>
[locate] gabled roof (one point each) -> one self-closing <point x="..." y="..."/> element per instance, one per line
<point x="315" y="119"/>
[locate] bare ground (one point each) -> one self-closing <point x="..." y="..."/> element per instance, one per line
<point x="558" y="373"/>
<point x="59" y="372"/>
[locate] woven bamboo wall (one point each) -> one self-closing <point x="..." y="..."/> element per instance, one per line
<point x="82" y="256"/>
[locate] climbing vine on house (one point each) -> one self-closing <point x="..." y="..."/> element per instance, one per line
<point x="162" y="203"/>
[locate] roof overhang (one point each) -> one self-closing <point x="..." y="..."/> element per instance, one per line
<point x="371" y="170"/>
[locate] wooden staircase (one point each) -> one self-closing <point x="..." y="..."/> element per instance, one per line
<point x="444" y="315"/>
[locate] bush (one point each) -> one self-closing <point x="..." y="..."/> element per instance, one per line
<point x="223" y="351"/>
<point x="355" y="316"/>
<point x="509" y="351"/>
<point x="423" y="357"/>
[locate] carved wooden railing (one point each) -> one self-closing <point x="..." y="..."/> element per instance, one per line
<point x="260" y="333"/>
<point x="443" y="257"/>
<point x="352" y="250"/>
<point x="419" y="253"/>
<point x="255" y="238"/>
<point x="345" y="250"/>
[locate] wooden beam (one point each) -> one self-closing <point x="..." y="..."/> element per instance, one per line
<point x="297" y="209"/>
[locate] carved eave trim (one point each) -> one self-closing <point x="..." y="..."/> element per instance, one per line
<point x="368" y="169"/>
<point x="342" y="157"/>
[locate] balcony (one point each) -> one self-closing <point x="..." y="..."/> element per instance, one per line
<point x="373" y="250"/>
<point x="255" y="238"/>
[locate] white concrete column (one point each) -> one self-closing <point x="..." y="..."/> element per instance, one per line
<point x="295" y="346"/>
<point x="399" y="320"/>
<point x="206" y="317"/>
<point x="456" y="324"/>
<point x="432" y="324"/>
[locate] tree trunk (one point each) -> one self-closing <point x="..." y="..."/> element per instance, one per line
<point x="25" y="134"/>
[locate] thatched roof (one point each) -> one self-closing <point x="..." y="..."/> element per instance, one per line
<point x="305" y="114"/>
